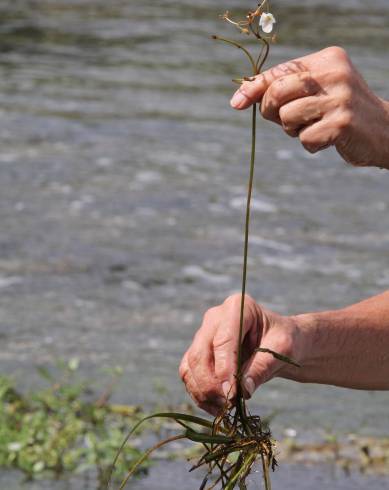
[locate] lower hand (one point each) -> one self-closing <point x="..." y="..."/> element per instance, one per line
<point x="209" y="367"/>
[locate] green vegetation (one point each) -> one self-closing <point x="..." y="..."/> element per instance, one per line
<point x="62" y="429"/>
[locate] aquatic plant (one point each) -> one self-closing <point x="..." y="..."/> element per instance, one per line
<point x="235" y="440"/>
<point x="63" y="428"/>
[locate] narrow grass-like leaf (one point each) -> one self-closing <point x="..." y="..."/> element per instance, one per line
<point x="243" y="469"/>
<point x="208" y="438"/>
<point x="168" y="415"/>
<point x="147" y="455"/>
<point x="280" y="357"/>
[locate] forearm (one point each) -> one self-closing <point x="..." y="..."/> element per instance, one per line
<point x="347" y="347"/>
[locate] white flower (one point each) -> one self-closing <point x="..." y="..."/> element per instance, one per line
<point x="267" y="22"/>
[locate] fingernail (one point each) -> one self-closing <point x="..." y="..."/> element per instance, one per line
<point x="238" y="100"/>
<point x="249" y="385"/>
<point x="227" y="389"/>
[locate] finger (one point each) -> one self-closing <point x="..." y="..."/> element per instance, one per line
<point x="287" y="89"/>
<point x="261" y="368"/>
<point x="320" y="135"/>
<point x="301" y="113"/>
<point x="200" y="377"/>
<point x="251" y="92"/>
<point x="194" y="391"/>
<point x="225" y="342"/>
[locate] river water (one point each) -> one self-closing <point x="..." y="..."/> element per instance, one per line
<point x="123" y="174"/>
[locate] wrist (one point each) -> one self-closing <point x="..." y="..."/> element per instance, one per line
<point x="312" y="347"/>
<point x="301" y="330"/>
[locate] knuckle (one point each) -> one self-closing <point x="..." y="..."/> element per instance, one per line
<point x="337" y="52"/>
<point x="309" y="84"/>
<point x="346" y="75"/>
<point x="267" y="107"/>
<point x="308" y="143"/>
<point x="210" y="314"/>
<point x="283" y="69"/>
<point x="267" y="113"/>
<point x="288" y="122"/>
<point x="344" y="120"/>
<point x="183" y="370"/>
<point x="305" y="138"/>
<point x="277" y="88"/>
<point x="284" y="114"/>
<point x="346" y="95"/>
<point x="233" y="301"/>
<point x="342" y="68"/>
<point x="194" y="358"/>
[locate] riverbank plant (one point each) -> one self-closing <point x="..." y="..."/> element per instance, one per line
<point x="235" y="440"/>
<point x="64" y="428"/>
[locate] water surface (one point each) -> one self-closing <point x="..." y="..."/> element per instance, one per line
<point x="123" y="174"/>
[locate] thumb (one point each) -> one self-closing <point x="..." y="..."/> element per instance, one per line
<point x="263" y="366"/>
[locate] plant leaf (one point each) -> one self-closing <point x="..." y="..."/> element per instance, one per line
<point x="280" y="357"/>
<point x="168" y="415"/>
<point x="208" y="438"/>
<point x="146" y="455"/>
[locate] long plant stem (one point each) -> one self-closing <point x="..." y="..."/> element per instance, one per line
<point x="241" y="406"/>
<point x="246" y="239"/>
<point x="246" y="235"/>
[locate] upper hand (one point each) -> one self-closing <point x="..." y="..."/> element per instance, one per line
<point x="209" y="366"/>
<point x="322" y="99"/>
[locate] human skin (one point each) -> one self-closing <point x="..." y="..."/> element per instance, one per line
<point x="322" y="99"/>
<point x="346" y="347"/>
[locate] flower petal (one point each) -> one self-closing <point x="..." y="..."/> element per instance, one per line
<point x="267" y="22"/>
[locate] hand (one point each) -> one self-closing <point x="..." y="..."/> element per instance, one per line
<point x="323" y="100"/>
<point x="208" y="368"/>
